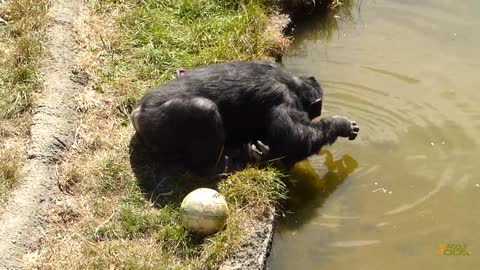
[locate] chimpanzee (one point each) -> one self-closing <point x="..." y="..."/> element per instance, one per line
<point x="253" y="110"/>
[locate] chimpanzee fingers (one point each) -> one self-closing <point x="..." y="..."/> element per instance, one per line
<point x="344" y="126"/>
<point x="355" y="130"/>
<point x="263" y="148"/>
<point x="353" y="136"/>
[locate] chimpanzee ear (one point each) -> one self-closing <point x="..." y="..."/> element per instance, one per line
<point x="312" y="81"/>
<point x="315" y="109"/>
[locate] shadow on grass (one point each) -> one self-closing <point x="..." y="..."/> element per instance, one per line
<point x="163" y="183"/>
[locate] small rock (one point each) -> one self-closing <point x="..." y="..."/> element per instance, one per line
<point x="2" y="21"/>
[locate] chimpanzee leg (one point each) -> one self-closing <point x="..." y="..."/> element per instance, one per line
<point x="184" y="130"/>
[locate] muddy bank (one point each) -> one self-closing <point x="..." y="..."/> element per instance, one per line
<point x="52" y="131"/>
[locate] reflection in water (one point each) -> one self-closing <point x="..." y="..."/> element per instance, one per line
<point x="407" y="72"/>
<point x="326" y="22"/>
<point x="309" y="188"/>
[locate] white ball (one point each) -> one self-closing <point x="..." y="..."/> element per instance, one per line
<point x="204" y="211"/>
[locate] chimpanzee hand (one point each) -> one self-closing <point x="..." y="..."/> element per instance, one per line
<point x="345" y="128"/>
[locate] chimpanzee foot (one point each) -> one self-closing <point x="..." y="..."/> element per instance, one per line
<point x="257" y="151"/>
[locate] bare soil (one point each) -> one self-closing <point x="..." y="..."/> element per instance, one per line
<point x="53" y="125"/>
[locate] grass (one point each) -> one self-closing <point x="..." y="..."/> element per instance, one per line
<point x="122" y="213"/>
<point x="158" y="37"/>
<point x="123" y="227"/>
<point x="119" y="211"/>
<point x="20" y="54"/>
<point x="22" y="41"/>
<point x="9" y="168"/>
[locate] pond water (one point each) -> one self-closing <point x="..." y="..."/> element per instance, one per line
<point x="408" y="72"/>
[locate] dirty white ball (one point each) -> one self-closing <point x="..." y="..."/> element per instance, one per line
<point x="204" y="211"/>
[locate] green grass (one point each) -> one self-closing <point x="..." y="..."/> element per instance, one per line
<point x="125" y="228"/>
<point x="126" y="214"/>
<point x="120" y="223"/>
<point x="158" y="37"/>
<point x="22" y="38"/>
<point x="20" y="54"/>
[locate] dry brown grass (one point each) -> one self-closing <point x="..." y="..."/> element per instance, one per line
<point x="20" y="54"/>
<point x="103" y="220"/>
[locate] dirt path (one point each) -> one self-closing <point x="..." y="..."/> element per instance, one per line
<point x="52" y="131"/>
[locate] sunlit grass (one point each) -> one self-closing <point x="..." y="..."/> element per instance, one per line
<point x="119" y="224"/>
<point x="20" y="54"/>
<point x="9" y="171"/>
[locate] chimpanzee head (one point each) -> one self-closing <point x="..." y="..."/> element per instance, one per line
<point x="311" y="96"/>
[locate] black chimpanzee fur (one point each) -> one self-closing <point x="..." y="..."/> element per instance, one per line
<point x="214" y="110"/>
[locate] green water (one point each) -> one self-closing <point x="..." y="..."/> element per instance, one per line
<point x="409" y="73"/>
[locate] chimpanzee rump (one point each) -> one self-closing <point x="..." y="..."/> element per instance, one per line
<point x="213" y="110"/>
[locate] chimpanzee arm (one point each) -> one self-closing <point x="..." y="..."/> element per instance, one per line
<point x="294" y="137"/>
